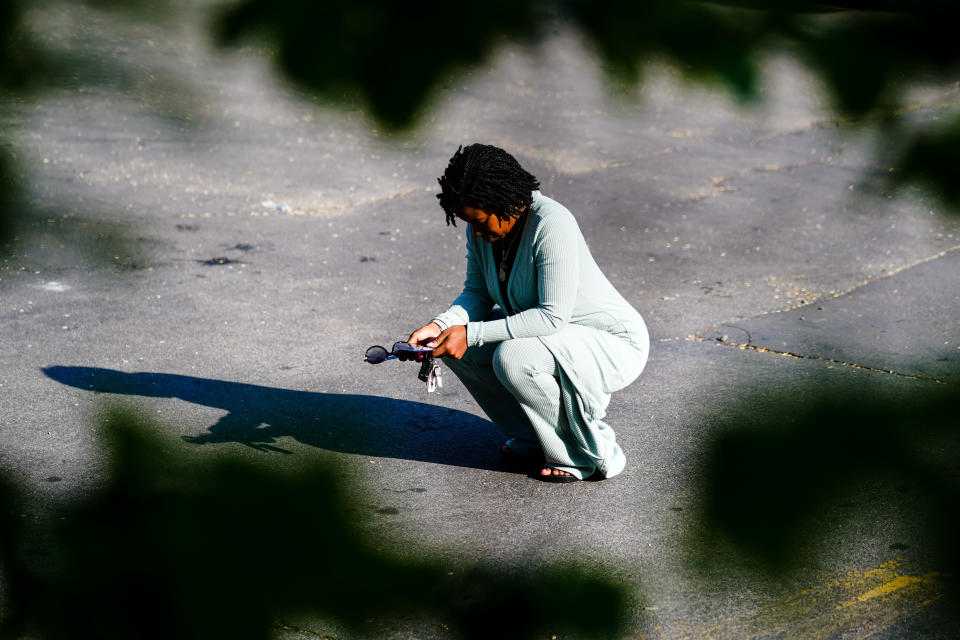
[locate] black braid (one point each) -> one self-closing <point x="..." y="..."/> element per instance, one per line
<point x="488" y="178"/>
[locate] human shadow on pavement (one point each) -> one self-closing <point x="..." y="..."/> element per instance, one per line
<point x="261" y="417"/>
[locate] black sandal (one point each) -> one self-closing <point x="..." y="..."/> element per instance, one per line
<point x="559" y="479"/>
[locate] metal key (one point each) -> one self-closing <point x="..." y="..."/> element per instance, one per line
<point x="434" y="380"/>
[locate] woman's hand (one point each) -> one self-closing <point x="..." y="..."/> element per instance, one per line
<point x="451" y="342"/>
<point x="426" y="333"/>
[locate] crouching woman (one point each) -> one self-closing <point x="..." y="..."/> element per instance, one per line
<point x="538" y="335"/>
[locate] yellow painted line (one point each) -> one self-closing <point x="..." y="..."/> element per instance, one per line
<point x="887" y="588"/>
<point x="872" y="599"/>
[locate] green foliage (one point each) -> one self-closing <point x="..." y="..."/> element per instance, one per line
<point x="704" y="40"/>
<point x="767" y="477"/>
<point x="9" y="191"/>
<point x="10" y="76"/>
<point x="177" y="547"/>
<point x="10" y="62"/>
<point x="933" y="160"/>
<point x="391" y="54"/>
<point x="396" y="56"/>
<point x="867" y="59"/>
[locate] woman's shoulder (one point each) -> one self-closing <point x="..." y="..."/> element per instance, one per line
<point x="544" y="206"/>
<point x="549" y="212"/>
<point x="552" y="220"/>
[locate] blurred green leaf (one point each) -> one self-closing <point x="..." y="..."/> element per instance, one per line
<point x="933" y="160"/>
<point x="391" y="55"/>
<point x="178" y="547"/>
<point x="767" y="476"/>
<point x="9" y="196"/>
<point x="706" y="41"/>
<point x="11" y="68"/>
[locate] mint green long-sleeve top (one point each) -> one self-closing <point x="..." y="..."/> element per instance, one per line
<point x="554" y="282"/>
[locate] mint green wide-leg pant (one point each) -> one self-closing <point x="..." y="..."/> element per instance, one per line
<point x="523" y="389"/>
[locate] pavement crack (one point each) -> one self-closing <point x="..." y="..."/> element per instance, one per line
<point x="725" y="341"/>
<point x="279" y="624"/>
<point x="804" y="356"/>
<point x="882" y="276"/>
<point x="813" y="126"/>
<point x="831" y="296"/>
<point x="749" y="341"/>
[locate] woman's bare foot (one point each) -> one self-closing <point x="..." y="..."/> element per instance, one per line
<point x="556" y="475"/>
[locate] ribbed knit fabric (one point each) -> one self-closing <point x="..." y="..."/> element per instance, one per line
<point x="573" y="342"/>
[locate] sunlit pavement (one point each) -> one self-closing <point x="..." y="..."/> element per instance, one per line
<point x="246" y="236"/>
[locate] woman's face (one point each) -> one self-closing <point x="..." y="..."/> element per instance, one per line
<point x="488" y="226"/>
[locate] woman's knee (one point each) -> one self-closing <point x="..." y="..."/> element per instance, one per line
<point x="515" y="360"/>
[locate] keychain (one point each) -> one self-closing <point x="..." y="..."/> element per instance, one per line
<point x="434" y="380"/>
<point x="429" y="369"/>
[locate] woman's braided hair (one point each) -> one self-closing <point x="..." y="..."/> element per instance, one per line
<point x="488" y="178"/>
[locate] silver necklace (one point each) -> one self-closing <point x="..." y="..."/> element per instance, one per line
<point x="502" y="271"/>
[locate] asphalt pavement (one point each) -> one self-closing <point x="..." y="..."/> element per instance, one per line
<point x="202" y="221"/>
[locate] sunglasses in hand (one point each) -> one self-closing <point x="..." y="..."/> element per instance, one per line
<point x="401" y="351"/>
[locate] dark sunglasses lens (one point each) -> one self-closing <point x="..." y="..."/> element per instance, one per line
<point x="375" y="355"/>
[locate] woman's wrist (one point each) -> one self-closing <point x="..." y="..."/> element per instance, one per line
<point x="474" y="334"/>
